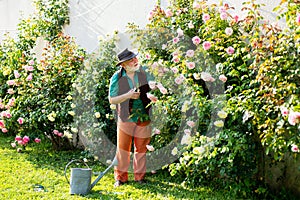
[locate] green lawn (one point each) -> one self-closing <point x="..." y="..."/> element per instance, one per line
<point x="37" y="165"/>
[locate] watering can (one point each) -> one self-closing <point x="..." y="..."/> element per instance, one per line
<point x="80" y="180"/>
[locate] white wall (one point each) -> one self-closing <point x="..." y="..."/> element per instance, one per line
<point x="10" y="13"/>
<point x="90" y="19"/>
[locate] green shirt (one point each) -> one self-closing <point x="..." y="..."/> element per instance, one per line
<point x="137" y="105"/>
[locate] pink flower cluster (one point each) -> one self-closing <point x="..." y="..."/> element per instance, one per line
<point x="56" y="132"/>
<point x="293" y="117"/>
<point x="22" y="141"/>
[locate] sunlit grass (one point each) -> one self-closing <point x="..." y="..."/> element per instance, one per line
<point x="38" y="165"/>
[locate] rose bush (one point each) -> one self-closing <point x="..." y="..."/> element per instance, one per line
<point x="36" y="90"/>
<point x="230" y="75"/>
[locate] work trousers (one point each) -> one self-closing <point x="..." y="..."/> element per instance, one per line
<point x="128" y="131"/>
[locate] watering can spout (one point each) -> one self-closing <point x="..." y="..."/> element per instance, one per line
<point x="113" y="163"/>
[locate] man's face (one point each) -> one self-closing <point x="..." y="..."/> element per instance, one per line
<point x="131" y="65"/>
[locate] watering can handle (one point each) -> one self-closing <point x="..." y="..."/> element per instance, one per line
<point x="68" y="166"/>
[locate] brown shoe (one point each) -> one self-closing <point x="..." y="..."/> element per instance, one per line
<point x="118" y="183"/>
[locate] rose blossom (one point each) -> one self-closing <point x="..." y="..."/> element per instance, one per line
<point x="236" y="18"/>
<point x="20" y="120"/>
<point x="190" y="123"/>
<point x="284" y="111"/>
<point x="196" y="40"/>
<point x="11" y="82"/>
<point x="26" y="139"/>
<point x="191" y="25"/>
<point x="175" y="59"/>
<point x="2" y="124"/>
<point x="196" y="5"/>
<point x="228" y="31"/>
<point x="294" y="148"/>
<point x="190" y="53"/>
<point x="223" y="78"/>
<point x="13" y="145"/>
<point x="37" y="140"/>
<point x="294" y="118"/>
<point x="298" y="19"/>
<point x="179" y="32"/>
<point x="205" y="17"/>
<point x="223" y="16"/>
<point x="29" y="77"/>
<point x="150" y="147"/>
<point x="31" y="62"/>
<point x="206" y="45"/>
<point x="169" y="13"/>
<point x="156" y="131"/>
<point x="151" y="97"/>
<point x="18" y="138"/>
<point x="4" y="130"/>
<point x="230" y="50"/>
<point x="190" y="65"/>
<point x="179" y="79"/>
<point x="187" y="131"/>
<point x="174" y="70"/>
<point x="175" y="40"/>
<point x="10" y="91"/>
<point x="207" y="77"/>
<point x="16" y="74"/>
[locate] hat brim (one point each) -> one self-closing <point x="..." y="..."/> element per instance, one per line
<point x="121" y="61"/>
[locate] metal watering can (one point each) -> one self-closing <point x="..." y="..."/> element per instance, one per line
<point x="80" y="180"/>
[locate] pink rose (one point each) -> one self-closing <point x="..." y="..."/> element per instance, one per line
<point x="37" y="140"/>
<point x="179" y="32"/>
<point x="175" y="59"/>
<point x="187" y="131"/>
<point x="156" y="131"/>
<point x="151" y="97"/>
<point x="60" y="134"/>
<point x="4" y="130"/>
<point x="148" y="56"/>
<point x="190" y="53"/>
<point x="294" y="118"/>
<point x="11" y="82"/>
<point x="179" y="79"/>
<point x="29" y="77"/>
<point x="223" y="78"/>
<point x="28" y="68"/>
<point x="298" y="19"/>
<point x="13" y="145"/>
<point x="190" y="65"/>
<point x="223" y="15"/>
<point x="2" y="124"/>
<point x="169" y="13"/>
<point x="174" y="70"/>
<point x="26" y="139"/>
<point x="20" y="120"/>
<point x="10" y="91"/>
<point x="16" y="74"/>
<point x="230" y="50"/>
<point x="205" y="17"/>
<point x="295" y="148"/>
<point x="284" y="111"/>
<point x="207" y="77"/>
<point x="55" y="132"/>
<point x="206" y="45"/>
<point x="18" y="138"/>
<point x="236" y="18"/>
<point x="150" y="147"/>
<point x="31" y="62"/>
<point x="175" y="40"/>
<point x="190" y="124"/>
<point x="196" y="5"/>
<point x="228" y="31"/>
<point x="196" y="40"/>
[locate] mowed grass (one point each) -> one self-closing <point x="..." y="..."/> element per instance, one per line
<point x="38" y="165"/>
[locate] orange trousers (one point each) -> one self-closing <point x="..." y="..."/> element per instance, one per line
<point x="128" y="131"/>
